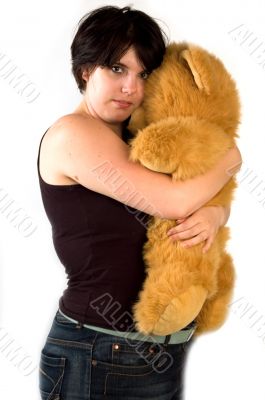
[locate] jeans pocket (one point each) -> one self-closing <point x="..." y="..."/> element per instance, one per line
<point x="135" y="355"/>
<point x="62" y="321"/>
<point x="51" y="373"/>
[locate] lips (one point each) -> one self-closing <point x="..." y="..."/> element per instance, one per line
<point x="122" y="103"/>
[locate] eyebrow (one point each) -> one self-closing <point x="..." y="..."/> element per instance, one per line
<point x="121" y="64"/>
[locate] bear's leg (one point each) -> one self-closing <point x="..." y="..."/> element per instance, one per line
<point x="163" y="312"/>
<point x="172" y="297"/>
<point x="214" y="311"/>
<point x="181" y="310"/>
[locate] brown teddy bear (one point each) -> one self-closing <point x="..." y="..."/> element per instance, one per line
<point x="187" y="122"/>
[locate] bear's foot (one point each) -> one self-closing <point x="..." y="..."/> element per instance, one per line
<point x="181" y="311"/>
<point x="213" y="313"/>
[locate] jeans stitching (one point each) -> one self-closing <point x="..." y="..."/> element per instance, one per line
<point x="69" y="343"/>
<point x="58" y="383"/>
<point x="117" y="373"/>
<point x="108" y="364"/>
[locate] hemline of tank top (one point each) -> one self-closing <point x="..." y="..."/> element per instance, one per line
<point x="191" y="324"/>
<point x="94" y="326"/>
<point x="80" y="319"/>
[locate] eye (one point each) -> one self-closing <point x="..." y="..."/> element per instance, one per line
<point x="116" y="69"/>
<point x="144" y="75"/>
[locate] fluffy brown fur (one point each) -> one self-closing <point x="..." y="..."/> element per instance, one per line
<point x="186" y="124"/>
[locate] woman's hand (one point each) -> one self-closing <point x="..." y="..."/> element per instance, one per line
<point x="200" y="226"/>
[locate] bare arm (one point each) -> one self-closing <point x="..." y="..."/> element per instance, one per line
<point x="94" y="156"/>
<point x="201" y="189"/>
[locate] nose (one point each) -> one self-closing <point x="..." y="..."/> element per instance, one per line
<point x="129" y="85"/>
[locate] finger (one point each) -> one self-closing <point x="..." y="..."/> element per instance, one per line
<point x="207" y="245"/>
<point x="178" y="221"/>
<point x="195" y="240"/>
<point x="187" y="234"/>
<point x="186" y="226"/>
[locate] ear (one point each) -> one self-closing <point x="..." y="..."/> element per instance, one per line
<point x="200" y="67"/>
<point x="85" y="74"/>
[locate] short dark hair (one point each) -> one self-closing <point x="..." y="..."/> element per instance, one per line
<point x="106" y="33"/>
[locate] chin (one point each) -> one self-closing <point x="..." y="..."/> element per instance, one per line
<point x="120" y="118"/>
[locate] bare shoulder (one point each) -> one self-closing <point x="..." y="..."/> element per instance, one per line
<point x="66" y="125"/>
<point x="76" y="138"/>
<point x="78" y="127"/>
<point x="53" y="147"/>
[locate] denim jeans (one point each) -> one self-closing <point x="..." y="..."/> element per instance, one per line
<point x="77" y="363"/>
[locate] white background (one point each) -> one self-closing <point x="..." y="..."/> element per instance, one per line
<point x="35" y="37"/>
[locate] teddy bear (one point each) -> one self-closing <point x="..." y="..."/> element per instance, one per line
<point x="186" y="123"/>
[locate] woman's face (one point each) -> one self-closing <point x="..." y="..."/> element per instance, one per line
<point x="113" y="93"/>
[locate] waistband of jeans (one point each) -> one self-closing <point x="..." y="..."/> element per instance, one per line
<point x="181" y="336"/>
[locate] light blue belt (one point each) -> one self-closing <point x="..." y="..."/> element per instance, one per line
<point x="175" y="338"/>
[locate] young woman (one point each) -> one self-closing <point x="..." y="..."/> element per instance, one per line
<point x="98" y="223"/>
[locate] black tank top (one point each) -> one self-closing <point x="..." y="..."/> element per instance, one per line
<point x="99" y="241"/>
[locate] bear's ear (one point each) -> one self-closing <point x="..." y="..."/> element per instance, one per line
<point x="200" y="67"/>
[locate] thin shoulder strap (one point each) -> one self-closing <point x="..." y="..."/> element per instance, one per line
<point x="39" y="151"/>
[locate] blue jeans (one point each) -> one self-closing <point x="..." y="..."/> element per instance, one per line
<point x="78" y="363"/>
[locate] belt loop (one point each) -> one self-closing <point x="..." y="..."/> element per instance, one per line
<point x="79" y="325"/>
<point x="167" y="339"/>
